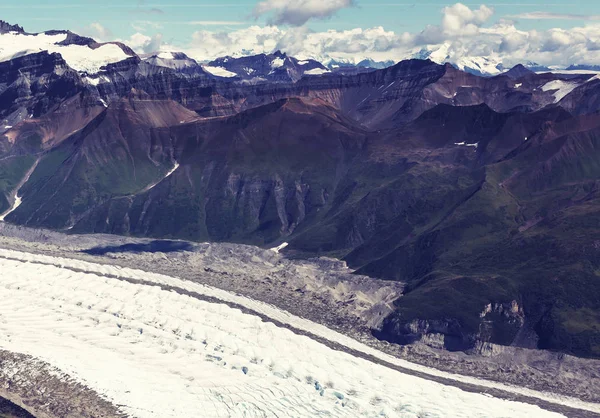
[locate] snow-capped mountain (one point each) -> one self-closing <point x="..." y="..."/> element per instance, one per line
<point x="478" y="65"/>
<point x="81" y="54"/>
<point x="173" y="60"/>
<point x="583" y="67"/>
<point x="489" y="65"/>
<point x="277" y="66"/>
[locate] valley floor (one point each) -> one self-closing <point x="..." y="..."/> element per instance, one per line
<point x="159" y="346"/>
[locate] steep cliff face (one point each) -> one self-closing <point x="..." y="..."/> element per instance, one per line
<point x="33" y="85"/>
<point x="499" y="322"/>
<point x="248" y="178"/>
<point x="6" y="27"/>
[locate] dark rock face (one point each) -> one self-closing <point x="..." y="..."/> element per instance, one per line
<point x="34" y="84"/>
<point x="7" y="27"/>
<point x="72" y="38"/>
<point x="518" y="71"/>
<point x="481" y="194"/>
<point x="584" y="67"/>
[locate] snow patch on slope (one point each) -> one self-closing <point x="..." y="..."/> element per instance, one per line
<point x="15" y="205"/>
<point x="93" y="81"/>
<point x="19" y="199"/>
<point x="219" y="71"/>
<point x="316" y="71"/>
<point x="279" y="247"/>
<point x="562" y="88"/>
<point x="142" y="346"/>
<point x="165" y="55"/>
<point x="166" y="176"/>
<point x="277" y="62"/>
<point x="464" y="144"/>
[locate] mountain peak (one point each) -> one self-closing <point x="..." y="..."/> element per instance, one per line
<point x="7" y="27"/>
<point x="518" y="71"/>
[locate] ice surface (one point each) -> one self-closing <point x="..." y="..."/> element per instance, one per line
<point x="160" y="353"/>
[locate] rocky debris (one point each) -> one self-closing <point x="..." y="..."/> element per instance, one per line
<point x="325" y="289"/>
<point x="46" y="392"/>
<point x="500" y="322"/>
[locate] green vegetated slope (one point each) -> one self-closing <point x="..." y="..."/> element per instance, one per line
<point x="496" y="242"/>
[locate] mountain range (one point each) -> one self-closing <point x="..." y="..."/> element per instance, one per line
<point x="480" y="193"/>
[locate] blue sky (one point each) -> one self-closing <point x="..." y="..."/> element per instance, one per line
<point x="546" y="31"/>
<point x="178" y="20"/>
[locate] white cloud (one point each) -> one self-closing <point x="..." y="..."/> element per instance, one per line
<point x="554" y="16"/>
<point x="298" y="12"/>
<point x="143" y="43"/>
<point x="460" y="20"/>
<point x="97" y="31"/>
<point x="461" y="34"/>
<point x="207" y="45"/>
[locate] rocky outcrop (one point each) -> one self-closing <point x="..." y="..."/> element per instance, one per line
<point x="498" y="325"/>
<point x="7" y="27"/>
<point x="46" y="392"/>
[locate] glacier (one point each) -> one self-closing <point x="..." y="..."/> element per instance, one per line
<point x="160" y="346"/>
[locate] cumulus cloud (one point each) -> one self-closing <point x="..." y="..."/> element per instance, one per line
<point x="143" y="43"/>
<point x="349" y="45"/>
<point x="97" y="31"/>
<point x="207" y="44"/>
<point x="462" y="33"/>
<point x="459" y="20"/>
<point x="298" y="12"/>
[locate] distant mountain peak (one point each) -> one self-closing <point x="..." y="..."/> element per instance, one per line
<point x="583" y="67"/>
<point x="6" y="27"/>
<point x="518" y="71"/>
<point x="275" y="67"/>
